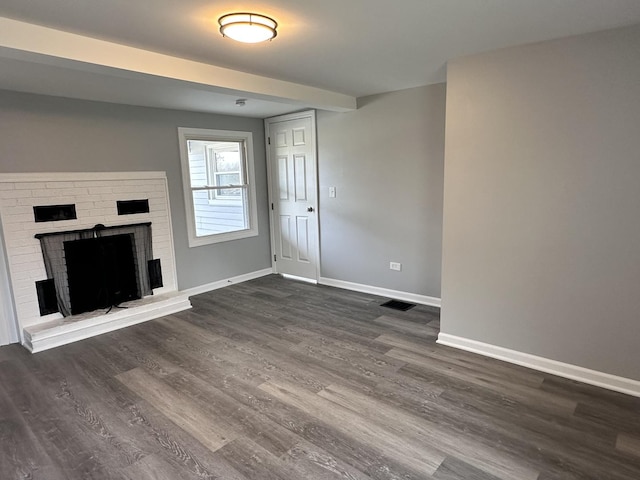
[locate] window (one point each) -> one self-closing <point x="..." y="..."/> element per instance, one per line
<point x="219" y="185"/>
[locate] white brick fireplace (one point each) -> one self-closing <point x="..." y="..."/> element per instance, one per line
<point x="95" y="196"/>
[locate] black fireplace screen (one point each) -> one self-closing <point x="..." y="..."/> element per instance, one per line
<point x="101" y="272"/>
<point x="98" y="267"/>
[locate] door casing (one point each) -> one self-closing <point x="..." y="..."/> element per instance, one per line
<point x="272" y="185"/>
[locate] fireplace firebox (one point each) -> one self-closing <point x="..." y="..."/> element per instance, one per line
<point x="101" y="272"/>
<point x="100" y="267"/>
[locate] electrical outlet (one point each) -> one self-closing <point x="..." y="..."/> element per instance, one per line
<point x="395" y="266"/>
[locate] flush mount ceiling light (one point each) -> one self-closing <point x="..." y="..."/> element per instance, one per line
<point x="248" y="27"/>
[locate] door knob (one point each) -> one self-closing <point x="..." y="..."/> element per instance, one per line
<point x="309" y="209"/>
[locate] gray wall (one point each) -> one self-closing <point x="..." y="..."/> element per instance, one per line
<point x="386" y="161"/>
<point x="40" y="133"/>
<point x="542" y="200"/>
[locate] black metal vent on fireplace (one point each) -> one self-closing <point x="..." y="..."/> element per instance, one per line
<point x="155" y="273"/>
<point x="54" y="213"/>
<point x="47" y="300"/>
<point x="131" y="207"/>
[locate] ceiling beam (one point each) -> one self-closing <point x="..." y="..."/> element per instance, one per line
<point x="34" y="43"/>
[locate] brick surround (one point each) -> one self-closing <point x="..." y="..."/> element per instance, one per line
<point x="95" y="196"/>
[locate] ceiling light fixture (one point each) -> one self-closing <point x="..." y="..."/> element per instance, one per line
<point x="248" y="27"/>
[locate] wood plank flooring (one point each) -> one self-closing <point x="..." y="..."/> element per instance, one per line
<point x="276" y="379"/>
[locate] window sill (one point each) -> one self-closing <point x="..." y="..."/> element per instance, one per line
<point x="221" y="237"/>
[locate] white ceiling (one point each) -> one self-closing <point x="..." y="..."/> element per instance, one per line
<point x="351" y="47"/>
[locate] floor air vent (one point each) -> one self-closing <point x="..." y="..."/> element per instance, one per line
<point x="398" y="305"/>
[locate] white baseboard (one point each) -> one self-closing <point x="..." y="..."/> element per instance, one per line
<point x="382" y="292"/>
<point x="226" y="282"/>
<point x="58" y="333"/>
<point x="566" y="370"/>
<point x="299" y="279"/>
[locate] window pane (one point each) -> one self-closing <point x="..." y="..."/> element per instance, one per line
<point x="197" y="162"/>
<point x="227" y="179"/>
<point x="220" y="216"/>
<point x="228" y="161"/>
<point x="206" y="157"/>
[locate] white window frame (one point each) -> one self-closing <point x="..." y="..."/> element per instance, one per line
<point x="251" y="209"/>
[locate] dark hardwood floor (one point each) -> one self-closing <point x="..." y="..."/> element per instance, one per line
<point x="275" y="379"/>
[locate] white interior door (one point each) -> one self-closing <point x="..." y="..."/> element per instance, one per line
<point x="291" y="146"/>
